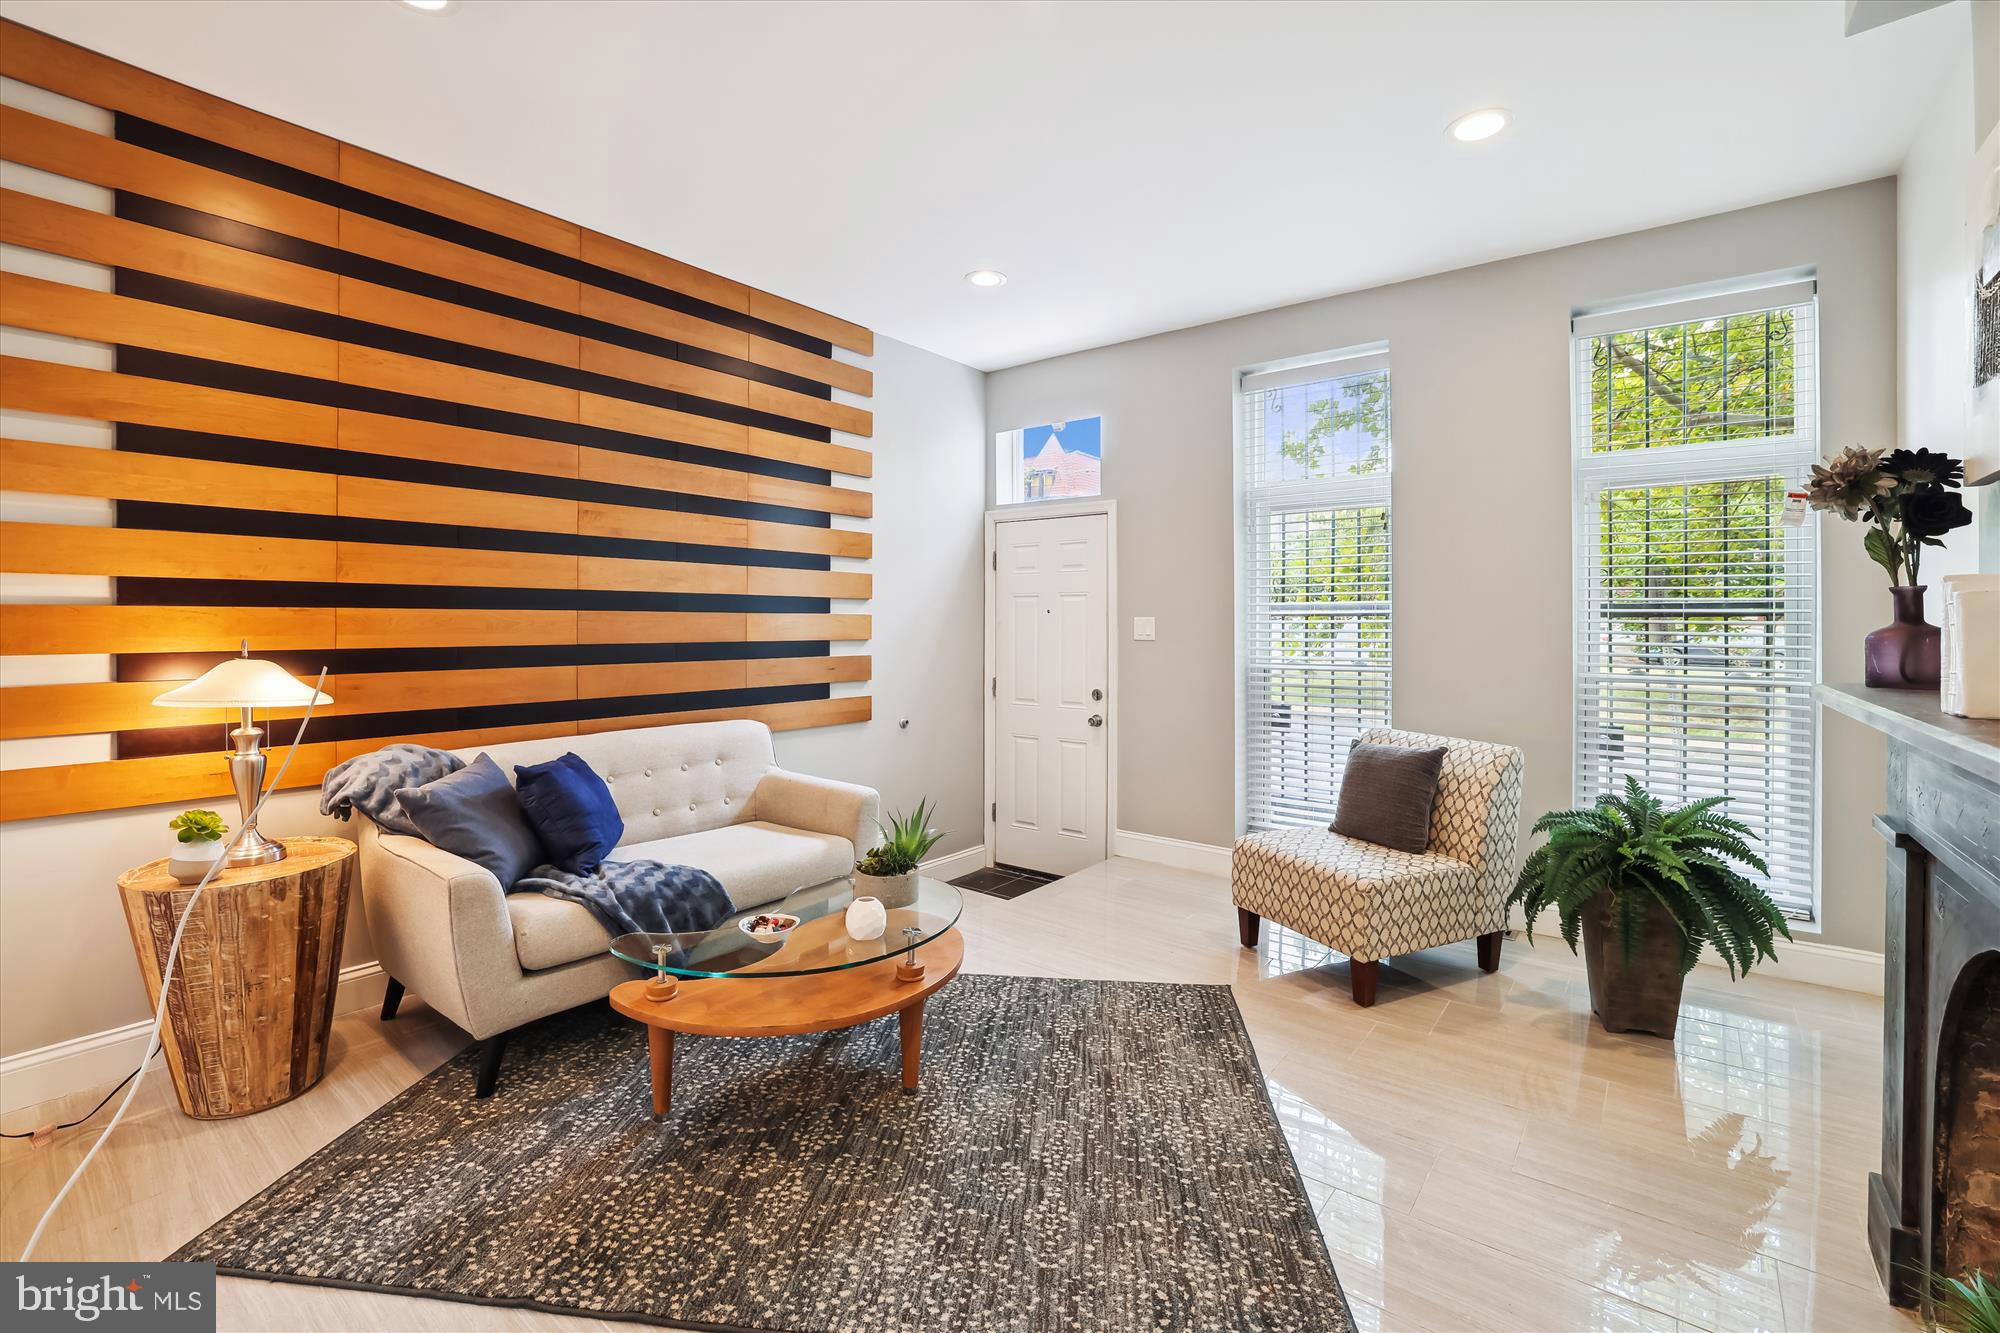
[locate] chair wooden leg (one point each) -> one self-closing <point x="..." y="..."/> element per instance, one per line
<point x="391" y="997"/>
<point x="1246" y="927"/>
<point x="489" y="1064"/>
<point x="1489" y="951"/>
<point x="1363" y="976"/>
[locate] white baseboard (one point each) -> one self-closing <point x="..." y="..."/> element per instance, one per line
<point x="953" y="864"/>
<point x="1182" y="855"/>
<point x="1830" y="965"/>
<point x="99" y="1059"/>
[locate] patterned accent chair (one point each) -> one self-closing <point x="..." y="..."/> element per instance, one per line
<point x="1370" y="902"/>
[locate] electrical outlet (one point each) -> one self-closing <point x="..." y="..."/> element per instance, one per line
<point x="1142" y="629"/>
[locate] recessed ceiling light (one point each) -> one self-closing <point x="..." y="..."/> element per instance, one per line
<point x="986" y="277"/>
<point x="430" y="6"/>
<point x="1476" y="125"/>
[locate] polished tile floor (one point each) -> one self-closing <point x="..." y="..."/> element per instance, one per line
<point x="1481" y="1155"/>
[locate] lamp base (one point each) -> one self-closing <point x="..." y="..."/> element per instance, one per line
<point x="255" y="850"/>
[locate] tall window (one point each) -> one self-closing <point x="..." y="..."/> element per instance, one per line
<point x="1315" y="480"/>
<point x="1696" y="602"/>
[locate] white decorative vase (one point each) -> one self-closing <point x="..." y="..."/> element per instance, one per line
<point x="866" y="919"/>
<point x="892" y="890"/>
<point x="189" y="861"/>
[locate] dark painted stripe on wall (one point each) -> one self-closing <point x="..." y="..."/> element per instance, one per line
<point x="346" y="328"/>
<point x="246" y="166"/>
<point x="387" y="467"/>
<point x="376" y="661"/>
<point x="395" y="532"/>
<point x="133" y="591"/>
<point x="360" y="726"/>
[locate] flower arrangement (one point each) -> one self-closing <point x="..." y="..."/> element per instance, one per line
<point x="1909" y="496"/>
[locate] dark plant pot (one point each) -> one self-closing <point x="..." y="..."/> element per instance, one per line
<point x="1640" y="995"/>
<point x="1904" y="655"/>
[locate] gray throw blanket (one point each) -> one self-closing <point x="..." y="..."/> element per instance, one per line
<point x="369" y="782"/>
<point x="631" y="896"/>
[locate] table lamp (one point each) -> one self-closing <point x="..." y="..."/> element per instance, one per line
<point x="247" y="683"/>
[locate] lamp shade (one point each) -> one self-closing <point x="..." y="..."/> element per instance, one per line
<point x="244" y="682"/>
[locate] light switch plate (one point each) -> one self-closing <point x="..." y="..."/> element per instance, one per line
<point x="1142" y="629"/>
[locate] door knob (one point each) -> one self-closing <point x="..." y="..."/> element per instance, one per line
<point x="1097" y="719"/>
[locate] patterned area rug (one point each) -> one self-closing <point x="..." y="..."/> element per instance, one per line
<point x="1083" y="1155"/>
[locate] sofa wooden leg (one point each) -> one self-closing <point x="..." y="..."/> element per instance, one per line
<point x="1363" y="976"/>
<point x="1246" y="927"/>
<point x="1489" y="951"/>
<point x="489" y="1064"/>
<point x="391" y="997"/>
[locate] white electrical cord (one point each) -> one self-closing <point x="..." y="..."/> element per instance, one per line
<point x="167" y="977"/>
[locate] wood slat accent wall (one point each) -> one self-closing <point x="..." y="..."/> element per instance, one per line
<point x="503" y="476"/>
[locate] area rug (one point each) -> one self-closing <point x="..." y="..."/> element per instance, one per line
<point x="1082" y="1155"/>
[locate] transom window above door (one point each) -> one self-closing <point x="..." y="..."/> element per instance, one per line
<point x="1062" y="460"/>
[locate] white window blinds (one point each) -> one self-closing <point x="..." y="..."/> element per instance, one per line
<point x="1696" y="607"/>
<point x="1315" y="478"/>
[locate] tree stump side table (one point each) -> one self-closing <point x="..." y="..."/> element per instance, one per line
<point x="252" y="999"/>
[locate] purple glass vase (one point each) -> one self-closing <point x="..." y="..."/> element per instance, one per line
<point x="1904" y="655"/>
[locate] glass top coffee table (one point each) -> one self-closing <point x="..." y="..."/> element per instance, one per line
<point x="819" y="943"/>
<point x="724" y="983"/>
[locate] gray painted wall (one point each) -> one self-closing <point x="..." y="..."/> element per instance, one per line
<point x="1482" y="503"/>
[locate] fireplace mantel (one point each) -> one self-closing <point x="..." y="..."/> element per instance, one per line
<point x="1942" y="967"/>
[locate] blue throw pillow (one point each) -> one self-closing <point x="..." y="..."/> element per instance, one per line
<point x="473" y="813"/>
<point x="571" y="809"/>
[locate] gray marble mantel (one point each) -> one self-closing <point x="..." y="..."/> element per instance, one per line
<point x="1941" y="1087"/>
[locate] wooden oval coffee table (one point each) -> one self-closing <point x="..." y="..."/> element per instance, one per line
<point x="721" y="983"/>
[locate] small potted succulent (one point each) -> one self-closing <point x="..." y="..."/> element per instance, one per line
<point x="200" y="838"/>
<point x="889" y="872"/>
<point x="1909" y="500"/>
<point x="1645" y="887"/>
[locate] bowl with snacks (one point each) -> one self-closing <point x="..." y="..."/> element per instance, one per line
<point x="768" y="927"/>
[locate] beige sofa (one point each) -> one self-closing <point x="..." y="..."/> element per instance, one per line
<point x="707" y="794"/>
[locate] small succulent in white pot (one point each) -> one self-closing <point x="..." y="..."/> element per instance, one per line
<point x="889" y="871"/>
<point x="200" y="838"/>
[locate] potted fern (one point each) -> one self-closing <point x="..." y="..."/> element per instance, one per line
<point x="1645" y="887"/>
<point x="889" y="871"/>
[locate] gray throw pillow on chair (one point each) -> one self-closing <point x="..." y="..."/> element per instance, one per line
<point x="474" y="813"/>
<point x="1386" y="795"/>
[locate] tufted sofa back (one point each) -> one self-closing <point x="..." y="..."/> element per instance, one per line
<point x="666" y="781"/>
<point x="1477" y="818"/>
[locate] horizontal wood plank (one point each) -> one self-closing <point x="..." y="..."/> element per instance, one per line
<point x="29" y="385"/>
<point x="98" y="238"/>
<point x="399" y="691"/>
<point x="99" y="159"/>
<point x="457" y="740"/>
<point x="402" y="627"/>
<point x="78" y="312"/>
<point x="816" y="323"/>
<point x="30" y="629"/>
<point x="36" y="58"/>
<point x="363" y="235"/>
<point x="394" y="308"/>
<point x="778" y="717"/>
<point x="445" y="566"/>
<point x="91" y="708"/>
<point x="65" y="548"/>
<point x="419" y="502"/>
<point x="666" y="474"/>
<point x="121" y="474"/>
<point x="635" y="262"/>
<point x="406" y="184"/>
<point x="436" y="442"/>
<point x="118" y="784"/>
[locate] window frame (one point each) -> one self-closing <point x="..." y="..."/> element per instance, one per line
<point x="1785" y="457"/>
<point x="1254" y="505"/>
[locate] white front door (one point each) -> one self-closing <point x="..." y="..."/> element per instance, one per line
<point x="1049" y="732"/>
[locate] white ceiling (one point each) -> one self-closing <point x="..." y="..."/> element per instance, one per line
<point x="1132" y="168"/>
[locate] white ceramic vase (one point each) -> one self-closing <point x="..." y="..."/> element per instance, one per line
<point x="867" y="919"/>
<point x="189" y="861"/>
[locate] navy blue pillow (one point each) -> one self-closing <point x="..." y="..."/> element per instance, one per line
<point x="473" y="814"/>
<point x="571" y="809"/>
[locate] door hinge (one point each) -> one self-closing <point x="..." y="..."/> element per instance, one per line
<point x="996" y="812"/>
<point x="996" y="687"/>
<point x="996" y="562"/>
